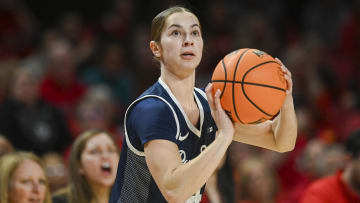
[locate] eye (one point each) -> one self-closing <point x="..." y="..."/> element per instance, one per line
<point x="196" y="33"/>
<point x="175" y="33"/>
<point x="94" y="151"/>
<point x="42" y="181"/>
<point x="24" y="181"/>
<point x="112" y="150"/>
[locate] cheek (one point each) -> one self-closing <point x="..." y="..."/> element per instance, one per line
<point x="115" y="159"/>
<point x="169" y="47"/>
<point x="201" y="45"/>
<point x="88" y="164"/>
<point x="19" y="193"/>
<point x="42" y="191"/>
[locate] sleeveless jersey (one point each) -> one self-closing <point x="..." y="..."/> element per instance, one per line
<point x="156" y="114"/>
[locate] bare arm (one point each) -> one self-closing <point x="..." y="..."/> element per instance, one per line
<point x="278" y="135"/>
<point x="177" y="181"/>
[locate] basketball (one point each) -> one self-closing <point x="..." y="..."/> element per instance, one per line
<point x="252" y="84"/>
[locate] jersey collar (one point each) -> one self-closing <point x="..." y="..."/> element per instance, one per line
<point x="201" y="109"/>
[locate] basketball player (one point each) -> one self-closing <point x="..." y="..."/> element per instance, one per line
<point x="176" y="135"/>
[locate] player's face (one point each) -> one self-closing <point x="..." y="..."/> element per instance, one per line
<point x="181" y="43"/>
<point x="28" y="183"/>
<point x="99" y="161"/>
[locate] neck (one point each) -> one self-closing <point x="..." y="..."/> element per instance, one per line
<point x="349" y="180"/>
<point x="181" y="87"/>
<point x="101" y="193"/>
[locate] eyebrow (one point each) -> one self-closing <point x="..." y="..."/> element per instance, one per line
<point x="179" y="26"/>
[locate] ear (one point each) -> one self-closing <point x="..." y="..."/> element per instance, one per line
<point x="155" y="48"/>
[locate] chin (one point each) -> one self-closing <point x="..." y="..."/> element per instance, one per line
<point x="107" y="182"/>
<point x="190" y="66"/>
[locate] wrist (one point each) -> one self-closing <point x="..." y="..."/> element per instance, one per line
<point x="288" y="103"/>
<point x="226" y="136"/>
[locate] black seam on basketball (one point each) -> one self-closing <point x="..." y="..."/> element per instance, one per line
<point x="250" y="83"/>
<point x="258" y="121"/>
<point x="243" y="89"/>
<point x="233" y="85"/>
<point x="224" y="66"/>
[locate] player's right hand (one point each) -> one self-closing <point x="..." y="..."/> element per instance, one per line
<point x="222" y="120"/>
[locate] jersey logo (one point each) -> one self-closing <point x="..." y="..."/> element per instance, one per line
<point x="183" y="156"/>
<point x="182" y="138"/>
<point x="210" y="129"/>
<point x="202" y="148"/>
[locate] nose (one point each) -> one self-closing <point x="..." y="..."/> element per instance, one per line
<point x="188" y="41"/>
<point x="105" y="154"/>
<point x="35" y="187"/>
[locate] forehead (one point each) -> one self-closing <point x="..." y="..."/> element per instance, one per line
<point x="27" y="168"/>
<point x="99" y="140"/>
<point x="184" y="19"/>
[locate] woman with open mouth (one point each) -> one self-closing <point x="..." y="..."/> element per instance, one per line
<point x="93" y="163"/>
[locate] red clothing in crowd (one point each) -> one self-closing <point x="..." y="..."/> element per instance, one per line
<point x="64" y="98"/>
<point x="330" y="189"/>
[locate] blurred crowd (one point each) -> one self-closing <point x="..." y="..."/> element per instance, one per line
<point x="65" y="74"/>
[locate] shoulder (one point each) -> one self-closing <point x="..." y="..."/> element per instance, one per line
<point x="150" y="110"/>
<point x="151" y="118"/>
<point x="326" y="183"/>
<point x="322" y="189"/>
<point x="151" y="105"/>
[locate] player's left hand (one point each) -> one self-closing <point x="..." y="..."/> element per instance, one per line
<point x="287" y="76"/>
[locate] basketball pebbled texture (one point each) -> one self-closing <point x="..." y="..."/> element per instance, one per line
<point x="252" y="84"/>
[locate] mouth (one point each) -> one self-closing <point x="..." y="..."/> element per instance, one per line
<point x="34" y="200"/>
<point x="187" y="55"/>
<point x="105" y="168"/>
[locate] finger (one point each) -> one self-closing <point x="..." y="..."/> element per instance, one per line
<point x="287" y="76"/>
<point x="282" y="66"/>
<point x="289" y="83"/>
<point x="278" y="60"/>
<point x="288" y="72"/>
<point x="217" y="100"/>
<point x="209" y="96"/>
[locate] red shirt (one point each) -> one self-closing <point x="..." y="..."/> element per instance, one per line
<point x="330" y="189"/>
<point x="64" y="98"/>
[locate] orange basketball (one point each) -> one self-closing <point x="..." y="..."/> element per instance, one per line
<point x="252" y="84"/>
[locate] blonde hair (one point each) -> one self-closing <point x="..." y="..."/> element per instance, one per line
<point x="8" y="164"/>
<point x="79" y="190"/>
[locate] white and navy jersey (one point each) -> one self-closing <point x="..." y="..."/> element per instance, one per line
<point x="156" y="114"/>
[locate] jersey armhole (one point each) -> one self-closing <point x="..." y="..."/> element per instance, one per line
<point x="131" y="147"/>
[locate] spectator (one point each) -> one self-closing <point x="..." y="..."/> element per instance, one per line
<point x="27" y="121"/>
<point x="60" y="86"/>
<point x="93" y="164"/>
<point x="113" y="71"/>
<point x="220" y="187"/>
<point x="5" y="146"/>
<point x="258" y="182"/>
<point x="55" y="170"/>
<point x="97" y="109"/>
<point x="22" y="179"/>
<point x="6" y="69"/>
<point x="344" y="185"/>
